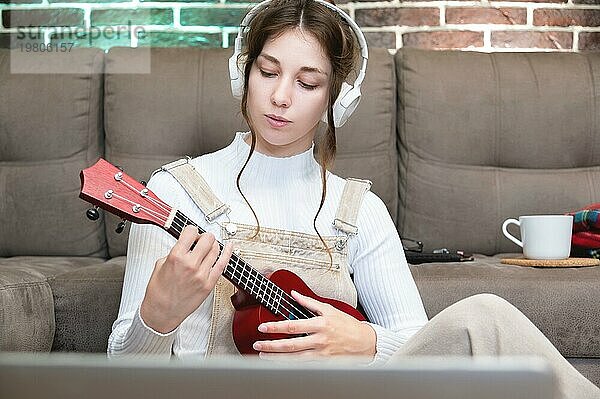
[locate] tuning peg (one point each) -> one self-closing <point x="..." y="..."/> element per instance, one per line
<point x="93" y="213"/>
<point x="144" y="182"/>
<point x="120" y="227"/>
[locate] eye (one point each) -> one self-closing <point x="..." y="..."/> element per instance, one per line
<point x="266" y="74"/>
<point x="307" y="86"/>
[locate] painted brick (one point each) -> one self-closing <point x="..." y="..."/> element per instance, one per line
<point x="383" y="15"/>
<point x="552" y="17"/>
<point x="212" y="16"/>
<point x="16" y="40"/>
<point x="589" y="41"/>
<point x="5" y="40"/>
<point x="527" y="39"/>
<point x="232" y="37"/>
<point x="374" y="39"/>
<point x="185" y="1"/>
<point x="443" y="39"/>
<point x="139" y="16"/>
<point x="20" y="1"/>
<point x="89" y="1"/>
<point x="381" y="39"/>
<point x="481" y="15"/>
<point x="408" y="1"/>
<point x="537" y="1"/>
<point x="180" y="39"/>
<point x="398" y="16"/>
<point x="22" y="37"/>
<point x="99" y="38"/>
<point x="42" y="17"/>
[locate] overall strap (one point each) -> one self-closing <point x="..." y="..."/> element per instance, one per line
<point x="352" y="197"/>
<point x="197" y="188"/>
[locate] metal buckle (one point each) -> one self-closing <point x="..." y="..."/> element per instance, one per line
<point x="341" y="242"/>
<point x="171" y="165"/>
<point x="345" y="224"/>
<point x="210" y="218"/>
<point x="176" y="163"/>
<point x="369" y="182"/>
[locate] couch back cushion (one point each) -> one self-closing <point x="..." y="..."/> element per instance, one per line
<point x="50" y="129"/>
<point x="484" y="137"/>
<point x="184" y="106"/>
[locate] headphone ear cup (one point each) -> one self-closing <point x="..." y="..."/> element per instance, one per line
<point x="343" y="91"/>
<point x="236" y="77"/>
<point x="345" y="104"/>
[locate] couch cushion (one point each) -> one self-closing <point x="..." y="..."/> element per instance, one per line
<point x="50" y="129"/>
<point x="26" y="303"/>
<point x="589" y="367"/>
<point x="188" y="110"/>
<point x="86" y="303"/>
<point x="484" y="137"/>
<point x="563" y="303"/>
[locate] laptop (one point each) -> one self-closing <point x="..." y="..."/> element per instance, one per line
<point x="93" y="376"/>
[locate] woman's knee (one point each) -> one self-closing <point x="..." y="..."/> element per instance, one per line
<point x="471" y="311"/>
<point x="480" y="309"/>
<point x="485" y="303"/>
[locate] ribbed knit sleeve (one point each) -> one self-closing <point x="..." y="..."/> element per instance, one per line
<point x="386" y="288"/>
<point x="147" y="243"/>
<point x="130" y="334"/>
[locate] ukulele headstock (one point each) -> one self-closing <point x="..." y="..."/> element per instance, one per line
<point x="111" y="189"/>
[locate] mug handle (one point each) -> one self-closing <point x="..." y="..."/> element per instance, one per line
<point x="507" y="234"/>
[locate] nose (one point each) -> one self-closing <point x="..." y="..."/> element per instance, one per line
<point x="281" y="95"/>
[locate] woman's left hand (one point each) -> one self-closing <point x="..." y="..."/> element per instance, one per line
<point x="331" y="332"/>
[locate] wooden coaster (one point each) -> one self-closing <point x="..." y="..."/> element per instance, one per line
<point x="570" y="262"/>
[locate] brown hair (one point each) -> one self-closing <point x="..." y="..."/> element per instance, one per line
<point x="341" y="47"/>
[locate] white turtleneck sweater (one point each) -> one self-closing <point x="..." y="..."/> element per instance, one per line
<point x="285" y="194"/>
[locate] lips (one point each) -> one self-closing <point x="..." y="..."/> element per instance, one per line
<point x="277" y="121"/>
<point x="277" y="118"/>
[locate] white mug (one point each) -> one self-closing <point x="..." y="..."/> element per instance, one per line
<point x="543" y="236"/>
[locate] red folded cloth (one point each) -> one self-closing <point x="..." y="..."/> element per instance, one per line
<point x="586" y="227"/>
<point x="586" y="239"/>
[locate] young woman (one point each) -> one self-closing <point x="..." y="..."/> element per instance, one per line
<point x="286" y="210"/>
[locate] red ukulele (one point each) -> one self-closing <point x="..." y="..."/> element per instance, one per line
<point x="259" y="299"/>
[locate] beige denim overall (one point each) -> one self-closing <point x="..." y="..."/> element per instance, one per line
<point x="274" y="249"/>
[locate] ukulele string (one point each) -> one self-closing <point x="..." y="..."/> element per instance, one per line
<point x="160" y="218"/>
<point x="287" y="303"/>
<point x="160" y="204"/>
<point x="285" y="296"/>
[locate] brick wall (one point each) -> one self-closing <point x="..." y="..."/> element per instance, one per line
<point x="532" y="25"/>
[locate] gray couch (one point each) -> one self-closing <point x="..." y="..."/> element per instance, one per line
<point x="455" y="142"/>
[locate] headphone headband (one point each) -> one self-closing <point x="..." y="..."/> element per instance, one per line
<point x="349" y="96"/>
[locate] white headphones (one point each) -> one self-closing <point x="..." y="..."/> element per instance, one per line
<point x="349" y="96"/>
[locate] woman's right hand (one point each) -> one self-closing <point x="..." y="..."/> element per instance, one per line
<point x="183" y="279"/>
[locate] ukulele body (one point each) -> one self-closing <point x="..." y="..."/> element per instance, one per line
<point x="249" y="314"/>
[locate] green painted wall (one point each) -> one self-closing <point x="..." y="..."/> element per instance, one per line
<point x="106" y="23"/>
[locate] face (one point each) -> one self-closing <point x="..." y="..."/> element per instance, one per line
<point x="288" y="91"/>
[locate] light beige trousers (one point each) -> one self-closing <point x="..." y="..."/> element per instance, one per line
<point x="487" y="325"/>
